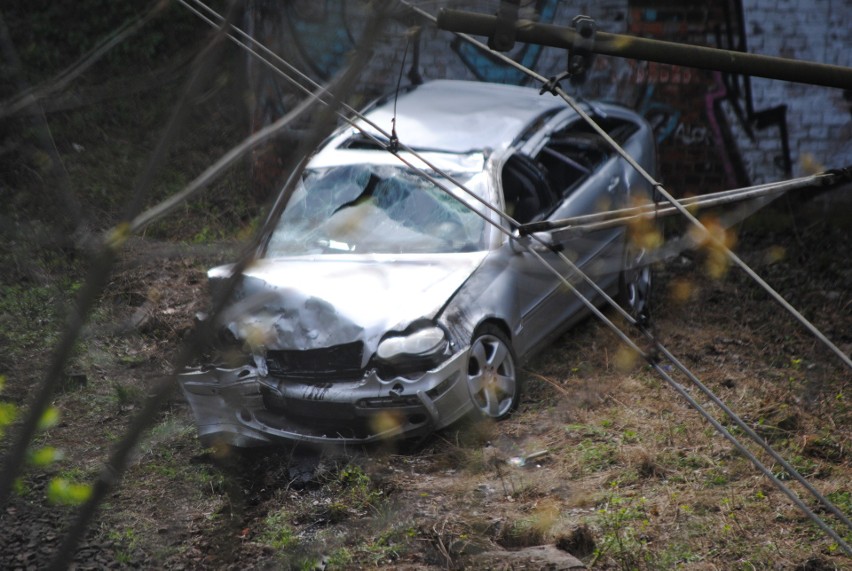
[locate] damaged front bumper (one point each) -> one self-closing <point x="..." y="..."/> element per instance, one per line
<point x="242" y="407"/>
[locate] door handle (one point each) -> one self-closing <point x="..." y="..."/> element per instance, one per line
<point x="613" y="183"/>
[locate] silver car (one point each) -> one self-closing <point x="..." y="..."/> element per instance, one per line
<point x="391" y="302"/>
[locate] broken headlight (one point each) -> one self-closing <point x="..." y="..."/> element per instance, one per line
<point x="423" y="345"/>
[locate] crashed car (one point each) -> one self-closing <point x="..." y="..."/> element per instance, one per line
<point x="391" y="302"/>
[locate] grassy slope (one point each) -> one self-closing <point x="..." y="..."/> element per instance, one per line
<point x="632" y="478"/>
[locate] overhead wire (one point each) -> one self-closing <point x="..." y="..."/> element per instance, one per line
<point x="577" y="272"/>
<point x="716" y="242"/>
<point x="623" y="216"/>
<point x="680" y="366"/>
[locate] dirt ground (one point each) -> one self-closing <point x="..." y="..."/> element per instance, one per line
<point x="624" y="474"/>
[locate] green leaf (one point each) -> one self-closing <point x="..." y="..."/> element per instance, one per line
<point x="8" y="413"/>
<point x="45" y="456"/>
<point x="49" y="418"/>
<point x="2" y="382"/>
<point x="20" y="487"/>
<point x="61" y="491"/>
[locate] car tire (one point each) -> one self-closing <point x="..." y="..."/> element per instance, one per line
<point x="492" y="375"/>
<point x="635" y="283"/>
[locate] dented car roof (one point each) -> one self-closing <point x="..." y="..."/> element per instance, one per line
<point x="469" y="109"/>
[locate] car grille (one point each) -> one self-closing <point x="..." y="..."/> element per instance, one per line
<point x="336" y="419"/>
<point x="340" y="362"/>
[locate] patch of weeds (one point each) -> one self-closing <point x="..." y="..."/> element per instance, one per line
<point x="626" y="477"/>
<point x="675" y="432"/>
<point x="384" y="549"/>
<point x="336" y="511"/>
<point x="277" y="531"/>
<point x="623" y="523"/>
<point x="354" y="495"/>
<point x="126" y="395"/>
<point x="529" y="531"/>
<point x="164" y="470"/>
<point x="339" y="558"/>
<point x="207" y="235"/>
<point x="675" y="554"/>
<point x="842" y="499"/>
<point x="210" y="479"/>
<point x="521" y="533"/>
<point x="381" y="552"/>
<point x="29" y="316"/>
<point x="595" y="456"/>
<point x="694" y="461"/>
<point x="358" y="488"/>
<point x="526" y="489"/>
<point x="132" y="360"/>
<point x="172" y="428"/>
<point x="112" y="435"/>
<point x="629" y="436"/>
<point x="585" y="430"/>
<point x="458" y="457"/>
<point x="648" y="465"/>
<point x="716" y="477"/>
<point x="125" y="543"/>
<point x="804" y="466"/>
<point x="824" y="447"/>
<point x="476" y="461"/>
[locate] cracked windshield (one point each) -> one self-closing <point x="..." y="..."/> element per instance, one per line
<point x="376" y="209"/>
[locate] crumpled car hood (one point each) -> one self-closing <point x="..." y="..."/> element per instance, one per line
<point x="321" y="301"/>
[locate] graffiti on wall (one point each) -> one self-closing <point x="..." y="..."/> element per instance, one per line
<point x="732" y="35"/>
<point x="664" y="118"/>
<point x="698" y="114"/>
<point x="486" y="67"/>
<point x="701" y="119"/>
<point x="323" y="31"/>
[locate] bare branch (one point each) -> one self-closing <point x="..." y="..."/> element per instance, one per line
<point x="112" y="471"/>
<point x="31" y="96"/>
<point x="98" y="274"/>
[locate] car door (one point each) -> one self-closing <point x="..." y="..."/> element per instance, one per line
<point x="584" y="177"/>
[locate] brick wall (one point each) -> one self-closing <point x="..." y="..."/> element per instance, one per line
<point x="819" y="118"/>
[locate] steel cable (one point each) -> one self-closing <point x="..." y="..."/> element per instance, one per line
<point x="659" y="188"/>
<point x="680" y="366"/>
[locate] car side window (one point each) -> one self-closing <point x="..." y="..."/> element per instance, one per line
<point x="571" y="156"/>
<point x="526" y="189"/>
<point x="576" y="151"/>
